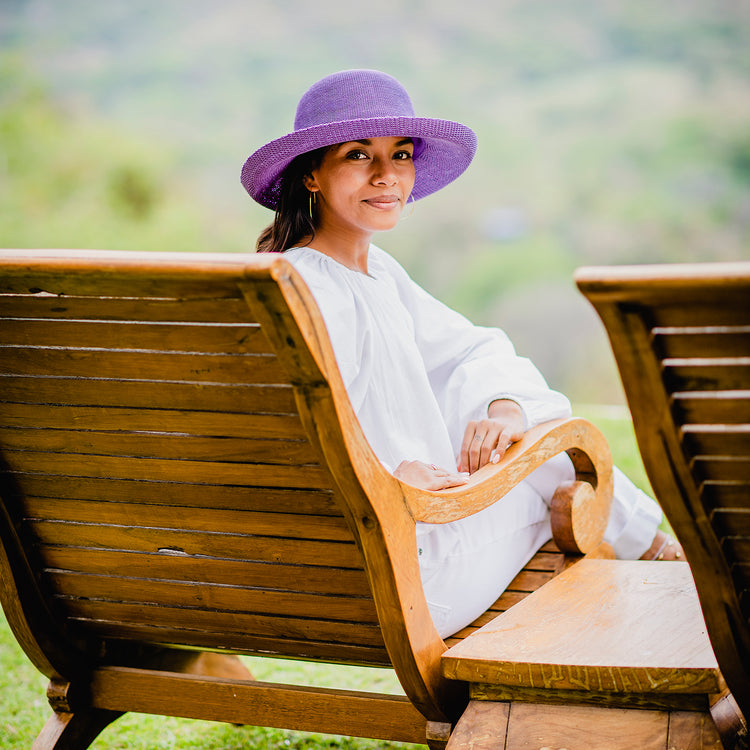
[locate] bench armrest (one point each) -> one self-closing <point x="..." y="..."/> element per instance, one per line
<point x="583" y="442"/>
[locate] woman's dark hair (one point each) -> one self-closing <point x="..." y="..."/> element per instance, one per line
<point x="292" y="222"/>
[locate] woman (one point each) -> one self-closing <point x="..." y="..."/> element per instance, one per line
<point x="436" y="396"/>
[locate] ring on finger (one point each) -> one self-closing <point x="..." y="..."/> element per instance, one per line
<point x="479" y="437"/>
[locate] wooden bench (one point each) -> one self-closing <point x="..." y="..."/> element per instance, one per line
<point x="681" y="338"/>
<point x="182" y="478"/>
<point x="616" y="654"/>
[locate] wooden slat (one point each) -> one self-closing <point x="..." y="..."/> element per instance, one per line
<point x="281" y="500"/>
<point x="159" y="470"/>
<point x="731" y="468"/>
<point x="707" y="374"/>
<point x="263" y="704"/>
<point x="571" y="727"/>
<point x="530" y="580"/>
<point x="505" y="601"/>
<point x="710" y="341"/>
<point x="198" y="310"/>
<point x="164" y="337"/>
<point x="719" y="440"/>
<point x="712" y="407"/>
<point x="737" y="548"/>
<point x="547" y="560"/>
<point x="722" y="494"/>
<point x="142" y="515"/>
<point x="690" y="313"/>
<point x="309" y="578"/>
<point x="549" y="546"/>
<point x="159" y="445"/>
<point x="235" y="627"/>
<point x="143" y="283"/>
<point x="731" y="521"/>
<point x="230" y="546"/>
<point x="238" y="369"/>
<point x="333" y="651"/>
<point x="206" y="598"/>
<point x="151" y="420"/>
<point x="239" y="399"/>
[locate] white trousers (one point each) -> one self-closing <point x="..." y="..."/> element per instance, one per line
<point x="467" y="564"/>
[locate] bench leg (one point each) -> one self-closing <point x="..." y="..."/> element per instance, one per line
<point x="482" y="726"/>
<point x="437" y="734"/>
<point x="73" y="731"/>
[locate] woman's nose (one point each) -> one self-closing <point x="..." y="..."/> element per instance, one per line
<point x="383" y="172"/>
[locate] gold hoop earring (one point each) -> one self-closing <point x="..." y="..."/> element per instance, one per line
<point x="413" y="203"/>
<point x="313" y="201"/>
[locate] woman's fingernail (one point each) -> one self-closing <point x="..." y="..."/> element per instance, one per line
<point x="495" y="458"/>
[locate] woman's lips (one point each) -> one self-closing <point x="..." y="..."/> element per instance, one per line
<point x="383" y="201"/>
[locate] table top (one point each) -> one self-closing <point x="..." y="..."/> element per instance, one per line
<point x="602" y="625"/>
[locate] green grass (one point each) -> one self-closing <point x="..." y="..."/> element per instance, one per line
<point x="617" y="428"/>
<point x="25" y="709"/>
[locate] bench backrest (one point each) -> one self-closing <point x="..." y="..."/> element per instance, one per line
<point x="180" y="466"/>
<point x="681" y="338"/>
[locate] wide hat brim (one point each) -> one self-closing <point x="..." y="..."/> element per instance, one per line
<point x="444" y="150"/>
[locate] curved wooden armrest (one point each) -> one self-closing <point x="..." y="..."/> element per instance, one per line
<point x="583" y="442"/>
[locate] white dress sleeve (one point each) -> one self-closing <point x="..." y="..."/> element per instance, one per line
<point x="470" y="366"/>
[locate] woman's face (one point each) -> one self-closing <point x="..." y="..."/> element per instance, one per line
<point x="362" y="186"/>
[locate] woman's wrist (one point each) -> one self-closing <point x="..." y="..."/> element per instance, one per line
<point x="505" y="409"/>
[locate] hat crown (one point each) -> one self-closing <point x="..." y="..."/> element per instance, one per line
<point x="352" y="95"/>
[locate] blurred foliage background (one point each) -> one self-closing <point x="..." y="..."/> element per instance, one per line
<point x="609" y="132"/>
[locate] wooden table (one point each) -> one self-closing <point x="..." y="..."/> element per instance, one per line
<point x="610" y="654"/>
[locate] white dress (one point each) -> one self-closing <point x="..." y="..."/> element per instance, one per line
<point x="416" y="373"/>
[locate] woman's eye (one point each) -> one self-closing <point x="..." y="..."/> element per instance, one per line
<point x="356" y="155"/>
<point x="403" y="155"/>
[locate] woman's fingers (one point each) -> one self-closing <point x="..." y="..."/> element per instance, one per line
<point x="428" y="476"/>
<point x="448" y="480"/>
<point x="471" y="448"/>
<point x="486" y="442"/>
<point x="481" y="440"/>
<point x="506" y="438"/>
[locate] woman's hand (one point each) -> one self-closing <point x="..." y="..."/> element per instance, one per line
<point x="488" y="439"/>
<point x="428" y="476"/>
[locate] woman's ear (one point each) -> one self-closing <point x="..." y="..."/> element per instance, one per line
<point x="310" y="183"/>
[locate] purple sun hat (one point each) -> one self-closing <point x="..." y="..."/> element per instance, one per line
<point x="356" y="104"/>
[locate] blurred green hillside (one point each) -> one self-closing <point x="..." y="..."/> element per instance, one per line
<point x="610" y="132"/>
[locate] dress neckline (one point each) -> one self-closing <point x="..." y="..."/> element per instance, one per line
<point x="338" y="263"/>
